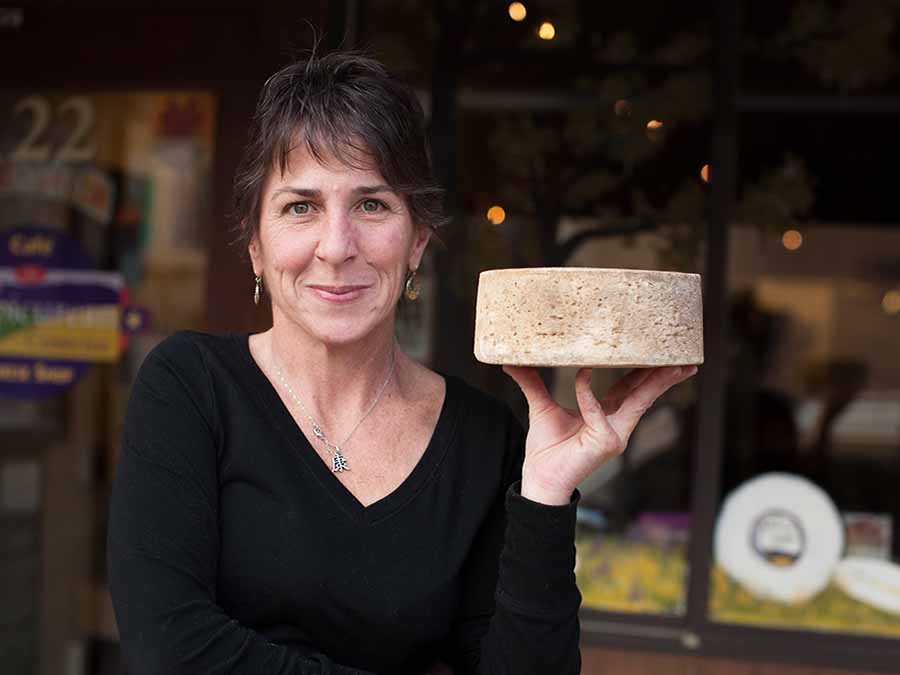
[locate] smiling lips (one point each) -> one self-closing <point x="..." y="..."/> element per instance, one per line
<point x="338" y="294"/>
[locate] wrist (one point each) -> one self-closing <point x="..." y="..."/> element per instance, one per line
<point x="535" y="490"/>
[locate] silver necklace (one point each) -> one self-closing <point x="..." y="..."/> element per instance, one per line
<point x="338" y="462"/>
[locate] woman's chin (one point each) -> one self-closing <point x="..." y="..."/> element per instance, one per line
<point x="342" y="333"/>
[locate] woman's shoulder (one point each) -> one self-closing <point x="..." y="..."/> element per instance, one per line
<point x="192" y="362"/>
<point x="479" y="409"/>
<point x="188" y="342"/>
<point x="485" y="424"/>
<point x="434" y="390"/>
<point x="193" y="350"/>
<point x="430" y="384"/>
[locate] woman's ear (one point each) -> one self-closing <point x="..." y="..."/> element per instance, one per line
<point x="256" y="256"/>
<point x="423" y="234"/>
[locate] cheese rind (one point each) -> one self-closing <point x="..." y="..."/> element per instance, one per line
<point x="584" y="316"/>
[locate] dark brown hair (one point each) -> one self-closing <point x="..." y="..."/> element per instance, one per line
<point x="347" y="105"/>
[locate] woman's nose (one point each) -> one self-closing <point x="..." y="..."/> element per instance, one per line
<point x="338" y="241"/>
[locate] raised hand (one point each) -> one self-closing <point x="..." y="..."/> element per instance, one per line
<point x="565" y="446"/>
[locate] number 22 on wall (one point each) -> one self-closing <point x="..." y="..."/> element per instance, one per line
<point x="76" y="148"/>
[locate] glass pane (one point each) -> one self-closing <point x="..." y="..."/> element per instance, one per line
<point x="807" y="535"/>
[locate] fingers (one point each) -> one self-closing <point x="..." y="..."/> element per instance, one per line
<point x="642" y="397"/>
<point x="624" y="386"/>
<point x="532" y="387"/>
<point x="596" y="425"/>
<point x="591" y="411"/>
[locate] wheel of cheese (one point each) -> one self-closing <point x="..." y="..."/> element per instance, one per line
<point x="780" y="536"/>
<point x="582" y="316"/>
<point x="872" y="581"/>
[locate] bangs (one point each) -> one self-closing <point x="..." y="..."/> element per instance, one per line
<point x="324" y="145"/>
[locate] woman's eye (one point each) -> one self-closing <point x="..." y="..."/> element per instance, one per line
<point x="371" y="206"/>
<point x="298" y="208"/>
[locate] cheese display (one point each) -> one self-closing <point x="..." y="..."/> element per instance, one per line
<point x="580" y="316"/>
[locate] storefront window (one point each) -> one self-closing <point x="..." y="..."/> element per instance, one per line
<point x="807" y="534"/>
<point x="104" y="205"/>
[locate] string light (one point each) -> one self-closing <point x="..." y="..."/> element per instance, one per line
<point x="704" y="173"/>
<point x="517" y="11"/>
<point x="496" y="215"/>
<point x="792" y="240"/>
<point x="891" y="302"/>
<point x="655" y="130"/>
<point x="622" y="108"/>
<point x="547" y="31"/>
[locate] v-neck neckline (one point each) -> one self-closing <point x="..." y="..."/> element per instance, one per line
<point x="273" y="406"/>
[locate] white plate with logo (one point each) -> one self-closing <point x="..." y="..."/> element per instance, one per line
<point x="780" y="536"/>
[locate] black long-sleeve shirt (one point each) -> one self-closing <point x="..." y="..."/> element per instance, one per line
<point x="232" y="548"/>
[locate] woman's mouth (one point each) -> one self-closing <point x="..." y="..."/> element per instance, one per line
<point x="338" y="294"/>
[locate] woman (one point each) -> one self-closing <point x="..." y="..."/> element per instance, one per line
<point x="309" y="499"/>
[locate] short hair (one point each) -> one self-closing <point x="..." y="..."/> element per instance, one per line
<point x="348" y="105"/>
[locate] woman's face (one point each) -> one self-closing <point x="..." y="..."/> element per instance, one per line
<point x="333" y="247"/>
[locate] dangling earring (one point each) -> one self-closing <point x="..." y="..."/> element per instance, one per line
<point x="412" y="286"/>
<point x="256" y="290"/>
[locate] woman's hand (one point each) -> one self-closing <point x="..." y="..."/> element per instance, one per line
<point x="565" y="446"/>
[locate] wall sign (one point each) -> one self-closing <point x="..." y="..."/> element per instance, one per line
<point x="57" y="315"/>
<point x="86" y="188"/>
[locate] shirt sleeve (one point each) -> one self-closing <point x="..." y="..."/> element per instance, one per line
<point x="519" y="613"/>
<point x="163" y="536"/>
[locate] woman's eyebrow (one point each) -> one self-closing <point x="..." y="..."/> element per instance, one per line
<point x="317" y="194"/>
<point x="373" y="189"/>
<point x="300" y="192"/>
